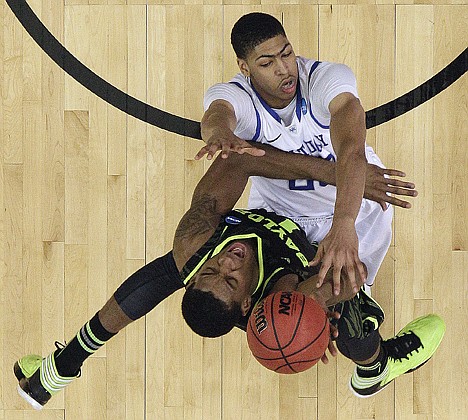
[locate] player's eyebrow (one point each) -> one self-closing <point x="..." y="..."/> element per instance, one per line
<point x="273" y="55"/>
<point x="207" y="271"/>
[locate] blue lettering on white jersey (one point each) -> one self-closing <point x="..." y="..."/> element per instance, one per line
<point x="306" y="132"/>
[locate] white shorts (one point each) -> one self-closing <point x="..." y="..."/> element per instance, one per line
<point x="373" y="227"/>
<point x="374" y="233"/>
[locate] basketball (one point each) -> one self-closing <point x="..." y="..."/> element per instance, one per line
<point x="288" y="332"/>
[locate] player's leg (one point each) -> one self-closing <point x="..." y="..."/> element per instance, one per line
<point x="379" y="361"/>
<point x="40" y="378"/>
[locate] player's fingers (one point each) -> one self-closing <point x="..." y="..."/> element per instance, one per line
<point x="401" y="191"/>
<point x="253" y="151"/>
<point x="318" y="256"/>
<point x="322" y="273"/>
<point x="315" y="261"/>
<point x="397" y="202"/>
<point x="324" y="359"/>
<point x="225" y="151"/>
<point x="212" y="151"/>
<point x="400" y="183"/>
<point x="333" y="331"/>
<point x="240" y="147"/>
<point x="336" y="279"/>
<point x="392" y="172"/>
<point x="361" y="272"/>
<point x="333" y="314"/>
<point x="202" y="152"/>
<point x="351" y="272"/>
<point x="332" y="349"/>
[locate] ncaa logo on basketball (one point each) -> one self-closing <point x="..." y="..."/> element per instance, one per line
<point x="285" y="303"/>
<point x="261" y="323"/>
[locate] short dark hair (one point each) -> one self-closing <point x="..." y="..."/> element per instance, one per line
<point x="207" y="315"/>
<point x="253" y="29"/>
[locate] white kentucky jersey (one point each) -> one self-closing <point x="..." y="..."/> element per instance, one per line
<point x="301" y="127"/>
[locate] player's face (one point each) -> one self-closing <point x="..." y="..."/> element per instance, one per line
<point x="272" y="69"/>
<point x="231" y="275"/>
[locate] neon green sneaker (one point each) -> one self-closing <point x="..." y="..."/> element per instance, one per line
<point x="413" y="346"/>
<point x="38" y="379"/>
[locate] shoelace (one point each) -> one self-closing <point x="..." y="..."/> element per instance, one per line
<point x="60" y="346"/>
<point x="402" y="346"/>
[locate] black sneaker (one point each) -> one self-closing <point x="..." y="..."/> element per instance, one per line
<point x="38" y="379"/>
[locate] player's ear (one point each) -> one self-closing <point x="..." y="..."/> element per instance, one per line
<point x="243" y="66"/>
<point x="245" y="305"/>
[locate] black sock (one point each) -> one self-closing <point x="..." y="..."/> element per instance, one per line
<point x="378" y="365"/>
<point x="90" y="338"/>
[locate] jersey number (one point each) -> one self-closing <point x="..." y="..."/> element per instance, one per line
<point x="308" y="184"/>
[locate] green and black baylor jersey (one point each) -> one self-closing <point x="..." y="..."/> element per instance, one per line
<point x="281" y="248"/>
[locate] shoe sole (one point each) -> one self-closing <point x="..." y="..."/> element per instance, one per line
<point x="29" y="399"/>
<point x="365" y="396"/>
<point x="375" y="393"/>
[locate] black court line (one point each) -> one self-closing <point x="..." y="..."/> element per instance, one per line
<point x="419" y="95"/>
<point x="179" y="125"/>
<point x="96" y="84"/>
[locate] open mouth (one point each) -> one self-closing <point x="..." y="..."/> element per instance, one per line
<point x="289" y="86"/>
<point x="238" y="249"/>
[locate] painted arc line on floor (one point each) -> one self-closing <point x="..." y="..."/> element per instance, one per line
<point x="190" y="128"/>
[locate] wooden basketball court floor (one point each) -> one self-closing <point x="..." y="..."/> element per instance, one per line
<point x="89" y="194"/>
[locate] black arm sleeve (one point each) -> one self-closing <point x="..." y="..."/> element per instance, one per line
<point x="148" y="286"/>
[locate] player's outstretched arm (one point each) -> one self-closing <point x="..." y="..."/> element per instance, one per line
<point x="277" y="164"/>
<point x="217" y="130"/>
<point x="215" y="195"/>
<point x="338" y="251"/>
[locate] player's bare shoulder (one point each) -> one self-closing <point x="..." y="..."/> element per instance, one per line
<point x="195" y="228"/>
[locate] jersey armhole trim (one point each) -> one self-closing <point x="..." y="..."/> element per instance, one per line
<point x="312" y="69"/>
<point x="257" y="129"/>
<point x="315" y="119"/>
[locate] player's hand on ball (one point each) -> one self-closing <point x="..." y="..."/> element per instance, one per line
<point x="333" y="352"/>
